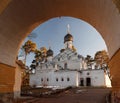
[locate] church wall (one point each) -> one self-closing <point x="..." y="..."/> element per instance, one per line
<point x="61" y="63"/>
<point x="51" y="78"/>
<point x="44" y="77"/>
<point x="74" y="65"/>
<point x="49" y="58"/>
<point x="32" y="80"/>
<point x="97" y="77"/>
<point x="70" y="78"/>
<point x="107" y="81"/>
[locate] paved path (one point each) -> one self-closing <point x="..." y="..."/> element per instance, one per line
<point x="74" y="96"/>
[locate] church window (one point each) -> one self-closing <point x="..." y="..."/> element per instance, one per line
<point x="57" y="79"/>
<point x="53" y="65"/>
<point x="88" y="73"/>
<point x="67" y="45"/>
<point x="58" y="59"/>
<point x="79" y="56"/>
<point x="75" y="53"/>
<point x="47" y="79"/>
<point x="68" y="79"/>
<point x="65" y="65"/>
<point x="62" y="79"/>
<point x="41" y="66"/>
<point x="46" y="66"/>
<point x="41" y="79"/>
<point x="81" y="82"/>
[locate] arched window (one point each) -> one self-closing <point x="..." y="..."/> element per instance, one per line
<point x="58" y="59"/>
<point x="62" y="79"/>
<point x="68" y="79"/>
<point x="65" y="66"/>
<point x="57" y="79"/>
<point x="41" y="79"/>
<point x="47" y="79"/>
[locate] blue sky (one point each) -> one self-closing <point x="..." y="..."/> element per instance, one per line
<point x="51" y="33"/>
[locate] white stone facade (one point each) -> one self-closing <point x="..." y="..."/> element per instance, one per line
<point x="94" y="77"/>
<point x="59" y="78"/>
<point x="68" y="68"/>
<point x="65" y="78"/>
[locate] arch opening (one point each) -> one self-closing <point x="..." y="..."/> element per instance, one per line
<point x="45" y="32"/>
<point x="52" y="33"/>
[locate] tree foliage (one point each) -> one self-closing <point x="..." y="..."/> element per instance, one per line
<point x="89" y="61"/>
<point x="43" y="51"/>
<point x="29" y="47"/>
<point x="74" y="49"/>
<point x="101" y="58"/>
<point x="40" y="56"/>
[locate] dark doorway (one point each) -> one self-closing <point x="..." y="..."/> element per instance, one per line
<point x="88" y="81"/>
<point x="65" y="66"/>
<point x="81" y="82"/>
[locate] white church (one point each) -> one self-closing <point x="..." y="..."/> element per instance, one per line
<point x="68" y="68"/>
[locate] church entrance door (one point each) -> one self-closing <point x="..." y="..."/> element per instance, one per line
<point x="81" y="82"/>
<point x="88" y="81"/>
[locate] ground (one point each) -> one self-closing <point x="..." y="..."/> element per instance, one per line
<point x="74" y="95"/>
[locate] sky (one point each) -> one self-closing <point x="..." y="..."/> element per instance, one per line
<point x="86" y="38"/>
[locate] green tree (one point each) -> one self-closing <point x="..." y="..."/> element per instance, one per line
<point x="28" y="47"/>
<point x="101" y="58"/>
<point x="90" y="61"/>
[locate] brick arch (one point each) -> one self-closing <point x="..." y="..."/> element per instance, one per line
<point x="18" y="18"/>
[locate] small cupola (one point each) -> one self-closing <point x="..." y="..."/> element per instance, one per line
<point x="49" y="53"/>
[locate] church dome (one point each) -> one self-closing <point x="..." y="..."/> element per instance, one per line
<point x="49" y="53"/>
<point x="68" y="37"/>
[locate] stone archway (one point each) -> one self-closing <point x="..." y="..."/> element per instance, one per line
<point x="18" y="18"/>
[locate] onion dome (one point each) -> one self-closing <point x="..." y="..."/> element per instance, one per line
<point x="68" y="37"/>
<point x="49" y="53"/>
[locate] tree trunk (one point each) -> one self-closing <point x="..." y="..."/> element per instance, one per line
<point x="25" y="58"/>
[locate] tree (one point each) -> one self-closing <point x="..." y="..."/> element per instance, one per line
<point x="43" y="51"/>
<point x="33" y="66"/>
<point x="74" y="49"/>
<point x="38" y="55"/>
<point x="28" y="47"/>
<point x="101" y="58"/>
<point x="89" y="61"/>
